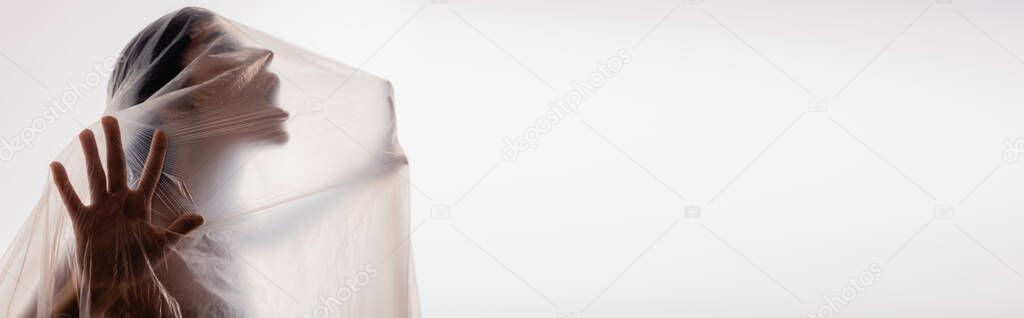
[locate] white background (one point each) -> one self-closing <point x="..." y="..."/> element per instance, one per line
<point x="712" y="111"/>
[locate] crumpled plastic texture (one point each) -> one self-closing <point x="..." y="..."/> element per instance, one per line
<point x="302" y="183"/>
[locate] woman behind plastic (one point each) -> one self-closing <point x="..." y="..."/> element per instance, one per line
<point x="211" y="207"/>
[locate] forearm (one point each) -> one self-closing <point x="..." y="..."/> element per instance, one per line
<point x="65" y="302"/>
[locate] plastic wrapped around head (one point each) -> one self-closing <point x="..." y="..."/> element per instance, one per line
<point x="302" y="182"/>
<point x="199" y="68"/>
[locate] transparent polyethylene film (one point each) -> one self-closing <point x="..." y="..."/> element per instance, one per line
<point x="291" y="159"/>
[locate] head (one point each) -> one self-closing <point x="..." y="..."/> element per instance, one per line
<point x="197" y="78"/>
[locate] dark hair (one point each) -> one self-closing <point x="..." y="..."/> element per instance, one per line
<point x="154" y="57"/>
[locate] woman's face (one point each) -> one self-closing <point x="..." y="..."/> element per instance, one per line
<point x="234" y="95"/>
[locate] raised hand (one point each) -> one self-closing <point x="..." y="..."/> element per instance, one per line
<point x="117" y="244"/>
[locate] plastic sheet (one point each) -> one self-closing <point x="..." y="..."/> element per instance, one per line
<point x="302" y="184"/>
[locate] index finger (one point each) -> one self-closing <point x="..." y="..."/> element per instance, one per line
<point x="154" y="163"/>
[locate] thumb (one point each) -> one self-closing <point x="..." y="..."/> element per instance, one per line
<point x="183" y="225"/>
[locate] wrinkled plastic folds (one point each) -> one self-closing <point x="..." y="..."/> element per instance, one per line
<point x="303" y="184"/>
